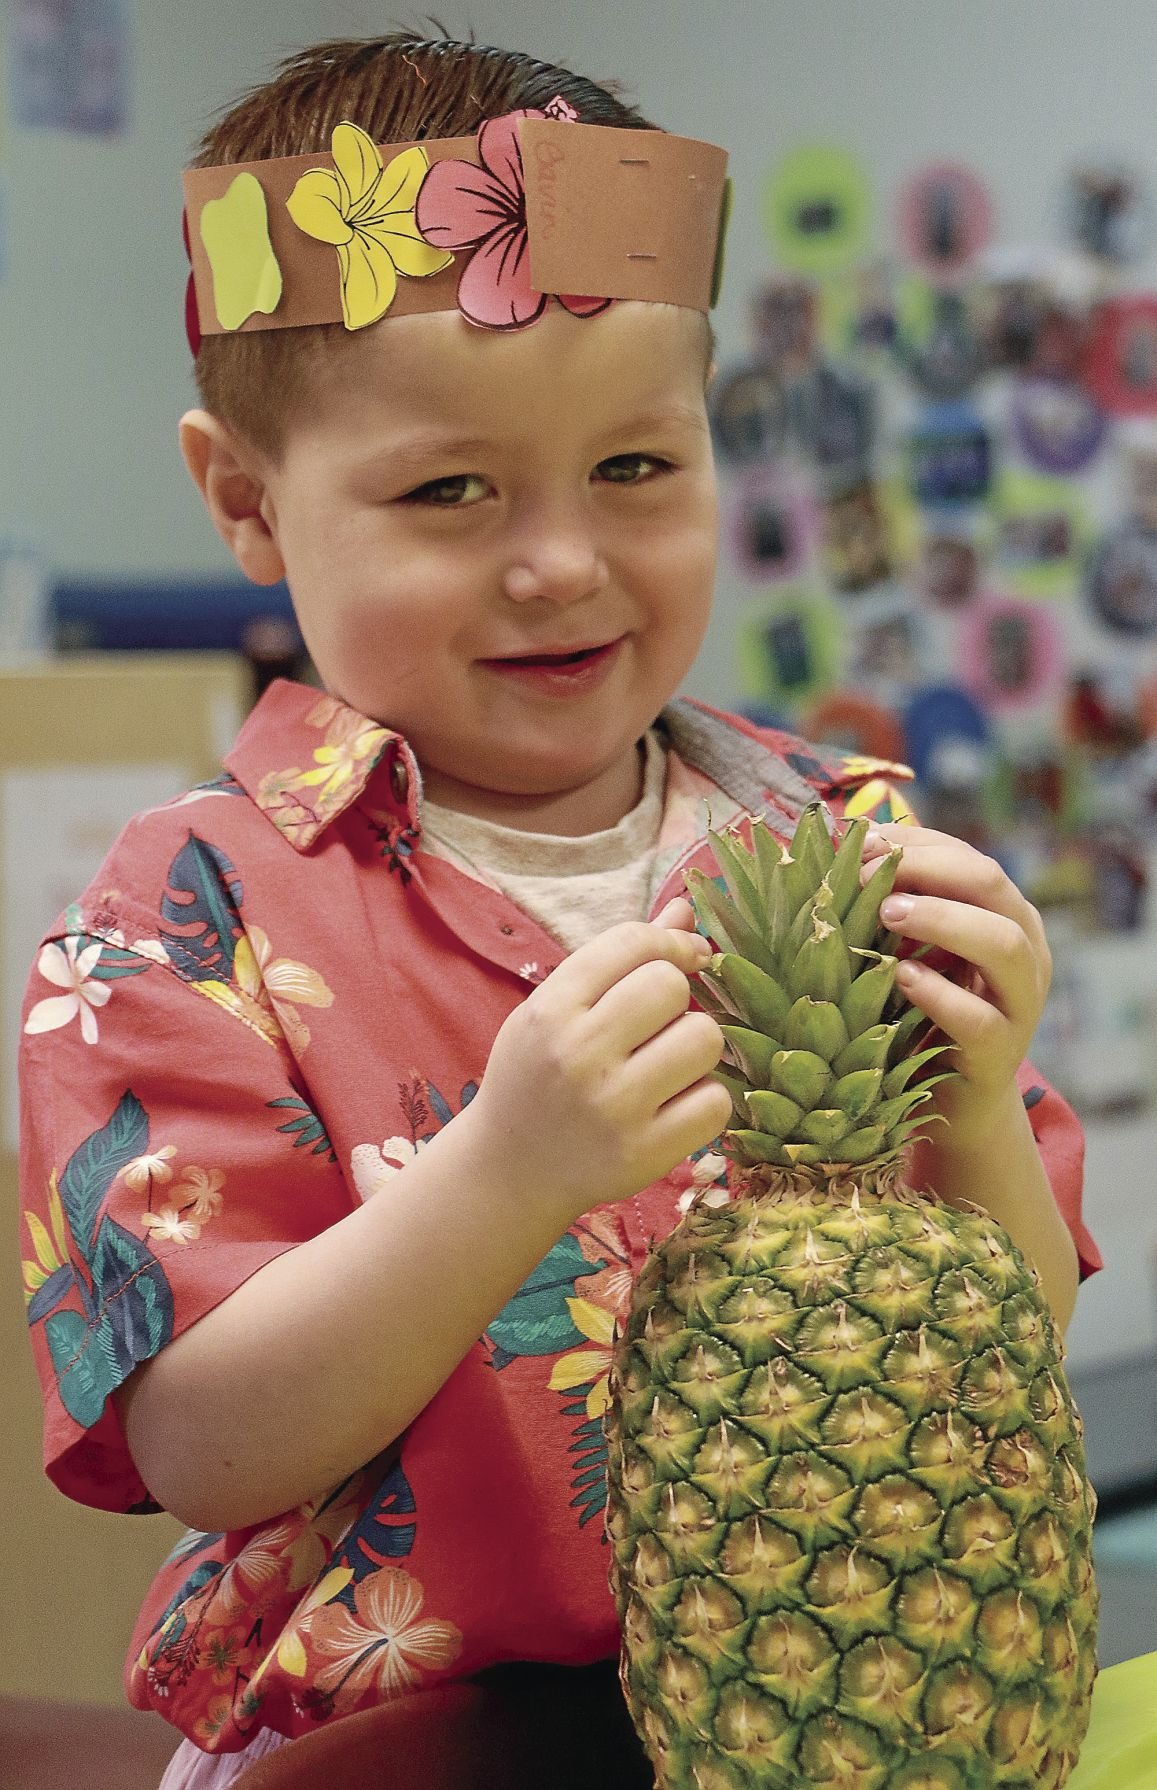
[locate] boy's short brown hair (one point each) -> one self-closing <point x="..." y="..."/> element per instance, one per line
<point x="400" y="88"/>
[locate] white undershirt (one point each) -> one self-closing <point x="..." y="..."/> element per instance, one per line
<point x="575" y="887"/>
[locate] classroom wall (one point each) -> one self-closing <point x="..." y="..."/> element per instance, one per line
<point x="95" y="369"/>
<point x="95" y="366"/>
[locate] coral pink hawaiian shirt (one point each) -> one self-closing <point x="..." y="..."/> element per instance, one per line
<point x="271" y="997"/>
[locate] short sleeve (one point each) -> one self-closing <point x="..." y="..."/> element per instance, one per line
<point x="168" y="1151"/>
<point x="1061" y="1142"/>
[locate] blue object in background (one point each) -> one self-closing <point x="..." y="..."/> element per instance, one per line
<point x="938" y="713"/>
<point x="162" y="615"/>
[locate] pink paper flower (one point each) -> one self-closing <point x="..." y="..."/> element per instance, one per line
<point x="462" y="207"/>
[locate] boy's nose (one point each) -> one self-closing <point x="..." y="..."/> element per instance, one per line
<point x="563" y="566"/>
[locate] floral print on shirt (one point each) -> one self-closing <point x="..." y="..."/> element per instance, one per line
<point x="170" y="1152"/>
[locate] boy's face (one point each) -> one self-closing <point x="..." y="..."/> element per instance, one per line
<point x="456" y="496"/>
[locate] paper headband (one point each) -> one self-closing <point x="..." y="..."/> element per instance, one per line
<point x="538" y="204"/>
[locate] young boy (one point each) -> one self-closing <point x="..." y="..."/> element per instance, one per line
<point x="438" y="905"/>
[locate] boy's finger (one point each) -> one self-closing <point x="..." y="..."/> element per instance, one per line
<point x="678" y="912"/>
<point x="957" y="872"/>
<point x="586" y="975"/>
<point x="965" y="1018"/>
<point x="992" y="943"/>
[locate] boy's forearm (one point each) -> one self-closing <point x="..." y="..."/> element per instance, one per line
<point x="327" y="1353"/>
<point x="1004" y="1174"/>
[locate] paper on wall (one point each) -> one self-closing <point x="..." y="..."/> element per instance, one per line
<point x="56" y="826"/>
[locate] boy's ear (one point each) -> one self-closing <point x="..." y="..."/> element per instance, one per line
<point x="230" y="478"/>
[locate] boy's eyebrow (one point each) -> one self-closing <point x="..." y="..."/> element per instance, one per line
<point x="417" y="450"/>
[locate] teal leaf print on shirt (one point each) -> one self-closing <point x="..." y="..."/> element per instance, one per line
<point x="202" y="1574"/>
<point x="96" y="1163"/>
<point x="114" y="961"/>
<point x="385" y="1530"/>
<point x="307" y="1124"/>
<point x="589" y="1447"/>
<point x="126" y="1303"/>
<point x="537" y="1320"/>
<point x="202" y="901"/>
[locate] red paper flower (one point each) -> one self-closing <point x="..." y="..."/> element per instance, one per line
<point x="192" y="319"/>
<point x="462" y="207"/>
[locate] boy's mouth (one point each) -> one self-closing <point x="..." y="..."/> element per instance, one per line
<point x="575" y="657"/>
<point x="557" y="674"/>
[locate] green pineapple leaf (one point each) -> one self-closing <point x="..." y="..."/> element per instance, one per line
<point x="781" y="883"/>
<point x="754" y="1051"/>
<point x="818" y="1026"/>
<point x="864" y="1002"/>
<point x="843" y="879"/>
<point x="762" y="1002"/>
<point x="857" y="1092"/>
<point x="862" y="920"/>
<point x="801" y="1075"/>
<point x="713" y="998"/>
<point x="737" y="865"/>
<point x="890" y="1112"/>
<point x="824" y="1126"/>
<point x="737" y="1088"/>
<point x="898" y="1078"/>
<point x="750" y="1147"/>
<point x="811" y="843"/>
<point x="867" y="1051"/>
<point x="821" y="967"/>
<point x="719" y="916"/>
<point x="861" y="1145"/>
<point x="908" y="1022"/>
<point x="774" y="1113"/>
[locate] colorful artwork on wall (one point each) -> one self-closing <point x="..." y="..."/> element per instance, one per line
<point x="939" y="471"/>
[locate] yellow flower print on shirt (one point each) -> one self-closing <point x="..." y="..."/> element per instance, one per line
<point x="299" y="803"/>
<point x="879" y="800"/>
<point x="367" y="213"/>
<point x="588" y="1364"/>
<point x="51" y="1251"/>
<point x="267" y="991"/>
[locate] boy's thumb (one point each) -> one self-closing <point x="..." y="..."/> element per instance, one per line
<point x="678" y="912"/>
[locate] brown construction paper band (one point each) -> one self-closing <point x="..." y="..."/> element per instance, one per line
<point x="610" y="213"/>
<point x="621" y="213"/>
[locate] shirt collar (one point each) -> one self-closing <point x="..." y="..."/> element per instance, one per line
<point x="304" y="757"/>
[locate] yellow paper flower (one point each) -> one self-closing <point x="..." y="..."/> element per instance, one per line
<point x="367" y="213"/>
<point x="235" y="232"/>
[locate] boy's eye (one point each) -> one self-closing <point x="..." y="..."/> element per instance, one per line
<point x="629" y="469"/>
<point x="445" y="494"/>
<point x="454" y="492"/>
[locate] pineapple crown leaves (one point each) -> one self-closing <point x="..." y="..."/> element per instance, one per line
<point x="822" y="1048"/>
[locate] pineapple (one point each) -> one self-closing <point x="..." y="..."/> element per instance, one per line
<point x="850" y="1524"/>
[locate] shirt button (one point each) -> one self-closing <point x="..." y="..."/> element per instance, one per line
<point x="399" y="780"/>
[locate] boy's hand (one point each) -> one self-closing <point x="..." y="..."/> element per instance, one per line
<point x="964" y="903"/>
<point x="598" y="1084"/>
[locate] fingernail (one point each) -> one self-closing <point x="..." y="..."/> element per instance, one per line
<point x="874" y="842"/>
<point x="895" y="907"/>
<point x="703" y="946"/>
<point x="907" y="974"/>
